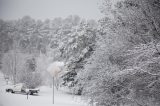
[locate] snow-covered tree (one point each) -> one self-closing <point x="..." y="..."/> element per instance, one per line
<point x="80" y="46"/>
<point x="13" y="63"/>
<point x="124" y="69"/>
<point x="42" y="62"/>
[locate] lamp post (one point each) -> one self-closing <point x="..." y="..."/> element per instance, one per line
<point x="54" y="69"/>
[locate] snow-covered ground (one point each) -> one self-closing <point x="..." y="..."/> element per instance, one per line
<point x="44" y="98"/>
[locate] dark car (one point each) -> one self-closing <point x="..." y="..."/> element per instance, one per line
<point x="21" y="88"/>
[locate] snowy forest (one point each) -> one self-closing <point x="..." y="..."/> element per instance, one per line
<point x="114" y="61"/>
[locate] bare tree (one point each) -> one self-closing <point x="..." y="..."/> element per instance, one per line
<point x="12" y="63"/>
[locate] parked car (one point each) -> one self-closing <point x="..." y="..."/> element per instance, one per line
<point x="21" y="88"/>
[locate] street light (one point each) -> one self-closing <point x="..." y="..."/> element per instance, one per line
<point x="54" y="69"/>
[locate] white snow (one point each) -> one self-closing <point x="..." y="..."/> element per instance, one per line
<point x="55" y="68"/>
<point x="44" y="98"/>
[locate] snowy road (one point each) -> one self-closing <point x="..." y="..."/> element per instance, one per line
<point x="43" y="99"/>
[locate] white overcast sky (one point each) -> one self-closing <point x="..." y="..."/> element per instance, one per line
<point x="43" y="9"/>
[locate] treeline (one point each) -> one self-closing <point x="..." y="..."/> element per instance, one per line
<point x="124" y="70"/>
<point x="28" y="46"/>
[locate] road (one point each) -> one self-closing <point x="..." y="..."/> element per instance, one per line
<point x="44" y="98"/>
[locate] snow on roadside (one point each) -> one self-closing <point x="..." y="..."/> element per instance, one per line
<point x="44" y="98"/>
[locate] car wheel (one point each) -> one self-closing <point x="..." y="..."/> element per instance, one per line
<point x="12" y="91"/>
<point x="30" y="93"/>
<point x="7" y="90"/>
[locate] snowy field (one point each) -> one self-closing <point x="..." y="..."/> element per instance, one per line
<point x="44" y="98"/>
